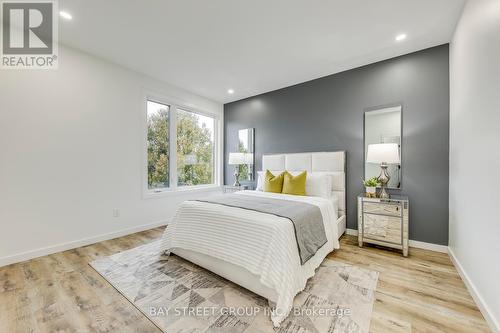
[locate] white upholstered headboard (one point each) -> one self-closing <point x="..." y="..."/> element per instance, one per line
<point x="331" y="162"/>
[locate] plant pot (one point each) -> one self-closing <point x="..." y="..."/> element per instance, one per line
<point x="371" y="190"/>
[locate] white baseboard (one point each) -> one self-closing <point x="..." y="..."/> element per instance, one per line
<point x="483" y="307"/>
<point x="352" y="232"/>
<point x="413" y="243"/>
<point x="4" y="261"/>
<point x="481" y="304"/>
<point x="429" y="246"/>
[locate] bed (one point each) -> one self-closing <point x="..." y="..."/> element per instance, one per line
<point x="256" y="250"/>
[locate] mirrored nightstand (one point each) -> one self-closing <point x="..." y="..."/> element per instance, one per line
<point x="384" y="221"/>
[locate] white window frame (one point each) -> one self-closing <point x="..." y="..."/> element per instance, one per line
<point x="173" y="188"/>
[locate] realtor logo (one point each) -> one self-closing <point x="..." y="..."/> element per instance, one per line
<point x="29" y="34"/>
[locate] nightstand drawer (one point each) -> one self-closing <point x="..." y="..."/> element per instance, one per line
<point x="382" y="227"/>
<point x="382" y="208"/>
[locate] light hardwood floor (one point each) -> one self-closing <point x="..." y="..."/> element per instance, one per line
<point x="62" y="293"/>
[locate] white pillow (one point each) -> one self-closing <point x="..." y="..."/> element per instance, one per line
<point x="318" y="185"/>
<point x="260" y="181"/>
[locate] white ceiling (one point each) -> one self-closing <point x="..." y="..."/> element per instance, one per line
<point x="252" y="46"/>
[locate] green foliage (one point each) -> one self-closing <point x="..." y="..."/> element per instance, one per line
<point x="243" y="168"/>
<point x="372" y="182"/>
<point x="158" y="149"/>
<point x="192" y="139"/>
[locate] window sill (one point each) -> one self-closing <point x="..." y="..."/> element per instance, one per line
<point x="180" y="190"/>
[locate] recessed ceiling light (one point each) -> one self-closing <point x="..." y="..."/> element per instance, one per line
<point x="65" y="15"/>
<point x="230" y="91"/>
<point x="400" y="37"/>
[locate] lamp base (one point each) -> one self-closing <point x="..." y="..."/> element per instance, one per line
<point x="383" y="194"/>
<point x="236" y="179"/>
<point x="383" y="179"/>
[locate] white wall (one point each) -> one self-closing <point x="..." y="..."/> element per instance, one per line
<point x="475" y="153"/>
<point x="71" y="151"/>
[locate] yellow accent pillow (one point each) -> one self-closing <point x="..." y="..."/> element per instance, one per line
<point x="273" y="183"/>
<point x="294" y="184"/>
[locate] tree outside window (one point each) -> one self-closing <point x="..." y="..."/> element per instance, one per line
<point x="195" y="147"/>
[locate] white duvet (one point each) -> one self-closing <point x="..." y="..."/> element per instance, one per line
<point x="264" y="244"/>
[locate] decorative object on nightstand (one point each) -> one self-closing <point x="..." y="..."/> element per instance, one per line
<point x="238" y="159"/>
<point x="383" y="154"/>
<point x="371" y="187"/>
<point x="384" y="221"/>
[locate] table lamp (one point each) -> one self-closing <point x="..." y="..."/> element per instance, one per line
<point x="236" y="159"/>
<point x="383" y="154"/>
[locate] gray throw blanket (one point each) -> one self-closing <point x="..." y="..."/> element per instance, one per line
<point x="306" y="218"/>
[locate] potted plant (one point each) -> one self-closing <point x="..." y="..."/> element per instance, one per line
<point x="371" y="186"/>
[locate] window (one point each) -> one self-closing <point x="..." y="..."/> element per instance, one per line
<point x="181" y="147"/>
<point x="158" y="145"/>
<point x="195" y="149"/>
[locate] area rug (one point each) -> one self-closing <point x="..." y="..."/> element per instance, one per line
<point x="180" y="297"/>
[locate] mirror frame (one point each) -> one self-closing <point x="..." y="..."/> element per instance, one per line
<point x="376" y="108"/>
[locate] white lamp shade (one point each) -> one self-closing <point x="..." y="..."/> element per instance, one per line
<point x="383" y="153"/>
<point x="236" y="158"/>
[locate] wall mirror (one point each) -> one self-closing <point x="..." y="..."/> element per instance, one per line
<point x="383" y="125"/>
<point x="246" y="139"/>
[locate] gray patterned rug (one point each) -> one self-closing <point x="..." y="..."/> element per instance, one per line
<point x="178" y="296"/>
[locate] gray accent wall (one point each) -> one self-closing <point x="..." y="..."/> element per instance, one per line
<point x="326" y="114"/>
